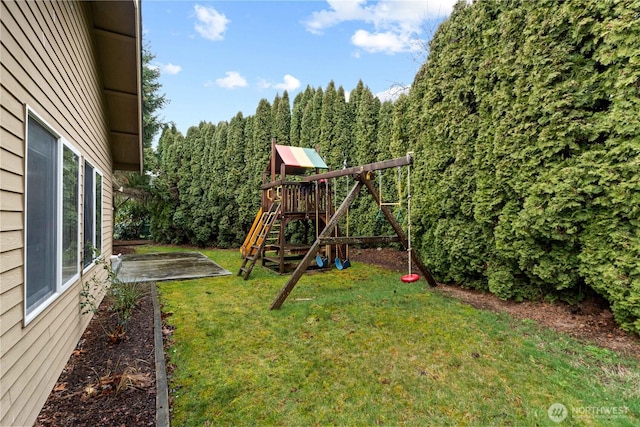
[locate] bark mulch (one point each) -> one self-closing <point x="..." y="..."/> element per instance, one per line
<point x="107" y="383"/>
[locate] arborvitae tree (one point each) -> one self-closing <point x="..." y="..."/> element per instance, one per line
<point x="164" y="187"/>
<point x="216" y="195"/>
<point x="207" y="132"/>
<point x="261" y="139"/>
<point x="307" y="128"/>
<point x="528" y="133"/>
<point x="189" y="156"/>
<point x="200" y="221"/>
<point x="299" y="104"/>
<point x="312" y="133"/>
<point x="384" y="131"/>
<point x="328" y="127"/>
<point x="235" y="177"/>
<point x="365" y="142"/>
<point x="390" y="181"/>
<point x="366" y="127"/>
<point x="282" y="118"/>
<point x="445" y="228"/>
<point x="400" y="134"/>
<point x="355" y="96"/>
<point x="343" y="147"/>
<point x="248" y="194"/>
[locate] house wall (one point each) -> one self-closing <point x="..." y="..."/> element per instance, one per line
<point x="48" y="62"/>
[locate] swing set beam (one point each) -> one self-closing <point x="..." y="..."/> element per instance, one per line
<point x="362" y="179"/>
<point x="360" y="170"/>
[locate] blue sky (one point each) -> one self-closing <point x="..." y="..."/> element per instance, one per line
<point x="218" y="58"/>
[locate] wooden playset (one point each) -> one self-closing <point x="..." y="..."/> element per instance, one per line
<point x="297" y="187"/>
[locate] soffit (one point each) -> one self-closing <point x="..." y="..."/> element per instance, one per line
<point x="116" y="28"/>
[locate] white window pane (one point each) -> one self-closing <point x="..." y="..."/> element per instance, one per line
<point x="88" y="217"/>
<point x="70" y="232"/>
<point x="98" y="205"/>
<point x="41" y="215"/>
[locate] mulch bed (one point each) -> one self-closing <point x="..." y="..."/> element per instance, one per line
<point x="114" y="384"/>
<point x="106" y="383"/>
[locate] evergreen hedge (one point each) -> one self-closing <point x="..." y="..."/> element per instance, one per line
<point x="525" y="121"/>
<point x="529" y="134"/>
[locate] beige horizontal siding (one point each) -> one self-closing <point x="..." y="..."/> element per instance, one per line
<point x="10" y="201"/>
<point x="10" y="221"/>
<point x="10" y="142"/>
<point x="11" y="309"/>
<point x="60" y="330"/>
<point x="11" y="162"/>
<point x="48" y="63"/>
<point x="8" y="262"/>
<point x="12" y="278"/>
<point x="11" y="240"/>
<point x="11" y="182"/>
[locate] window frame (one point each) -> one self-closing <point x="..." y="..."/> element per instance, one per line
<point x="95" y="227"/>
<point x="32" y="312"/>
<point x="66" y="285"/>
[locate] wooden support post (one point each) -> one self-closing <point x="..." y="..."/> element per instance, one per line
<point x="286" y="207"/>
<point x="306" y="261"/>
<point x="400" y="232"/>
<point x="273" y="159"/>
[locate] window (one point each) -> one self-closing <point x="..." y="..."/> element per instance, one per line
<point x="52" y="233"/>
<point x="92" y="214"/>
<point x="70" y="215"/>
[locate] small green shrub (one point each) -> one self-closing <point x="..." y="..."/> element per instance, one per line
<point x="122" y="297"/>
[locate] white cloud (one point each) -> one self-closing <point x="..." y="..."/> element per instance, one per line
<point x="378" y="42"/>
<point x="211" y="24"/>
<point x="289" y="83"/>
<point x="170" y="68"/>
<point x="341" y="10"/>
<point x="394" y="25"/>
<point x="233" y="80"/>
<point x="393" y="93"/>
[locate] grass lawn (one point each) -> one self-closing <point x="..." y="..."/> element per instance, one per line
<point x="358" y="347"/>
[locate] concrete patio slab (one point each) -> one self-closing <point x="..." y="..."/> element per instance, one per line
<point x="157" y="267"/>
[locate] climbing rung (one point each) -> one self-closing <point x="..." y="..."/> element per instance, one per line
<point x="258" y="240"/>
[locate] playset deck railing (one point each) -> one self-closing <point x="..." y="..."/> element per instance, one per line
<point x="297" y="197"/>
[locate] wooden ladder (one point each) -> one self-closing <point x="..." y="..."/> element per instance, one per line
<point x="259" y="240"/>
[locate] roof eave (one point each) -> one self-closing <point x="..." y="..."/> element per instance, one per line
<point x="116" y="28"/>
